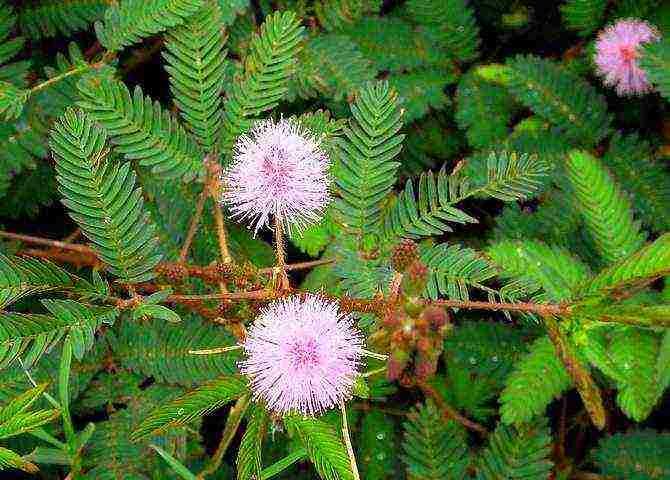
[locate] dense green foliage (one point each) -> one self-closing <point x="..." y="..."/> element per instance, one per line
<point x="498" y="228"/>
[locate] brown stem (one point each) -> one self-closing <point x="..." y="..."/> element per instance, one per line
<point x="73" y="236"/>
<point x="47" y="242"/>
<point x="299" y="266"/>
<point x="585" y="384"/>
<point x="221" y="233"/>
<point x="232" y="424"/>
<point x="449" y="412"/>
<point x="193" y="227"/>
<point x="282" y="281"/>
<point x="540" y="308"/>
<point x="252" y="295"/>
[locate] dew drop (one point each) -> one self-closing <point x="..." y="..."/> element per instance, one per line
<point x="380" y="436"/>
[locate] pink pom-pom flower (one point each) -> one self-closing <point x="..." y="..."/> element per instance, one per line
<point x="277" y="170"/>
<point x="617" y="51"/>
<point x="303" y="355"/>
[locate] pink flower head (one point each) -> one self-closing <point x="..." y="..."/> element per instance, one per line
<point x="303" y="355"/>
<point x="617" y="52"/>
<point x="277" y="170"/>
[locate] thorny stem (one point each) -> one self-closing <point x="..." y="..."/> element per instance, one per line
<point x="252" y="295"/>
<point x="347" y="442"/>
<point x="280" y="268"/>
<point x="229" y="431"/>
<point x="193" y="227"/>
<point x="213" y="186"/>
<point x="451" y="413"/>
<point x="221" y="233"/>
<point x="540" y="308"/>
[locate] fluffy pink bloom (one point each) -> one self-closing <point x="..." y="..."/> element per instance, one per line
<point x="278" y="170"/>
<point x="617" y="51"/>
<point x="303" y="355"/>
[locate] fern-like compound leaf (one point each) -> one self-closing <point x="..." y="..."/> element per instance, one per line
<point x="634" y="352"/>
<point x="656" y="63"/>
<point x="49" y="18"/>
<point x="630" y="160"/>
<point x="560" y="97"/>
<point x="645" y="266"/>
<point x="635" y="455"/>
<point x="434" y="448"/>
<point x="129" y="21"/>
<point x="101" y="197"/>
<point x="13" y="73"/>
<point x="197" y="66"/>
<point x="536" y="380"/>
<point x="607" y="212"/>
<point x="324" y="446"/>
<point x="425" y="214"/>
<point x="12" y="100"/>
<point x="141" y="129"/>
<point x="366" y="170"/>
<point x="454" y="269"/>
<point x="584" y="16"/>
<point x="268" y="68"/>
<point x="510" y="177"/>
<point x="15" y="419"/>
<point x="454" y="20"/>
<point x="163" y="353"/>
<point x="249" y="462"/>
<point x="24" y="276"/>
<point x="30" y="335"/>
<point x="377" y="454"/>
<point x="331" y="66"/>
<point x="517" y="453"/>
<point x="552" y="268"/>
<point x="334" y="14"/>
<point x="192" y="405"/>
<point x="484" y="110"/>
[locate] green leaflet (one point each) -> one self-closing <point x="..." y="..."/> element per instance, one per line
<point x="584" y="16"/>
<point x="656" y="63"/>
<point x="560" y="97"/>
<point x="517" y="453"/>
<point x="376" y="455"/>
<point x="636" y="455"/>
<point x="536" y="380"/>
<point x="140" y="129"/>
<point x="130" y="21"/>
<point x="552" y="268"/>
<point x="249" y="461"/>
<point x="434" y="448"/>
<point x="190" y="406"/>
<point x="455" y="23"/>
<point x="606" y="211"/>
<point x="197" y="66"/>
<point x="324" y="446"/>
<point x="366" y="170"/>
<point x="509" y="177"/>
<point x="102" y="198"/>
<point x="272" y="58"/>
<point x="51" y="18"/>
